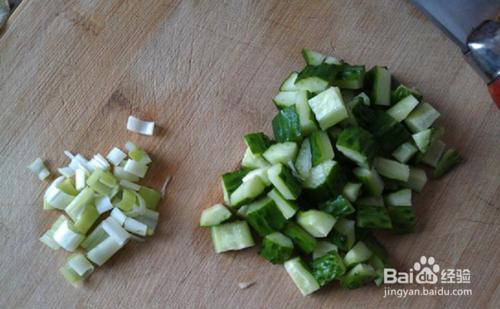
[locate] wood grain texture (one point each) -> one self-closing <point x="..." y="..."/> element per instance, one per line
<point x="205" y="71"/>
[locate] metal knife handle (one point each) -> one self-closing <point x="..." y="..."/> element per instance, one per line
<point x="484" y="54"/>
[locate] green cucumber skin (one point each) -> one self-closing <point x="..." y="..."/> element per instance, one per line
<point x="257" y="142"/>
<point x="375" y="246"/>
<point x="375" y="217"/>
<point x="266" y="219"/>
<point x="402" y="92"/>
<point x="380" y="80"/>
<point x="337" y="207"/>
<point x="360" y="275"/>
<point x="403" y="219"/>
<point x="321" y="147"/>
<point x="449" y="160"/>
<point x="274" y="252"/>
<point x="343" y="234"/>
<point x="388" y="133"/>
<point x="350" y="77"/>
<point x="360" y="141"/>
<point x="286" y="126"/>
<point x="332" y="186"/>
<point x="328" y="267"/>
<point x="292" y="183"/>
<point x="323" y="71"/>
<point x="305" y="242"/>
<point x="233" y="180"/>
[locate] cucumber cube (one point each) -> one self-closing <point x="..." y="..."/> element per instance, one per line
<point x="264" y="216"/>
<point x="328" y="107"/>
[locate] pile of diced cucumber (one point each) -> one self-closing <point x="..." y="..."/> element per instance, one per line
<point x="348" y="152"/>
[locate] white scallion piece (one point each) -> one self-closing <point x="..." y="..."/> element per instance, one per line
<point x="135" y="168"/>
<point x="120" y="173"/>
<point x="116" y="156"/>
<point x="129" y="185"/>
<point x="115" y="231"/>
<point x="80" y="176"/>
<point x="118" y="215"/>
<point x="135" y="227"/>
<point x="77" y="205"/>
<point x="140" y="126"/>
<point x="65" y="237"/>
<point x="55" y="197"/>
<point x="103" y="251"/>
<point x="66" y="171"/>
<point x="48" y="239"/>
<point x="103" y="204"/>
<point x="79" y="263"/>
<point x="139" y="207"/>
<point x="39" y="168"/>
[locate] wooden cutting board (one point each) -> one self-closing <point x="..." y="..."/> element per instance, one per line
<point x="205" y="71"/>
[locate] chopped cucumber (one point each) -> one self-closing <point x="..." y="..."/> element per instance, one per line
<point x="357" y="145"/>
<point x="276" y="248"/>
<point x="403" y="108"/>
<point x="404" y="152"/>
<point x="264" y="216"/>
<point x="370" y="179"/>
<point x="261" y="173"/>
<point x="332" y="60"/>
<point x="373" y="217"/>
<point x="289" y="98"/>
<point x="247" y="192"/>
<point x="324" y="181"/>
<point x="303" y="240"/>
<point x="303" y="163"/>
<point x="301" y="276"/>
<point x="381" y="85"/>
<point x="422" y="117"/>
<point x="434" y="153"/>
<point x="323" y="247"/>
<point x="417" y="179"/>
<point x="449" y="159"/>
<point x="388" y="133"/>
<point x="328" y="107"/>
<point x="283" y="180"/>
<point x="402" y="92"/>
<point x="358" y="254"/>
<point x="281" y="153"/>
<point x="214" y="215"/>
<point x="328" y="267"/>
<point x="316" y="78"/>
<point x="350" y="77"/>
<point x="252" y="161"/>
<point x="306" y="117"/>
<point x="352" y="190"/>
<point x="403" y="219"/>
<point x="287" y="208"/>
<point x="343" y="234"/>
<point x="289" y="83"/>
<point x="257" y="142"/>
<point x="371" y="201"/>
<point x="231" y="236"/>
<point x="399" y="198"/>
<point x="321" y="147"/>
<point x="316" y="222"/>
<point x="337" y="207"/>
<point x="360" y="275"/>
<point x="230" y="182"/>
<point x="286" y="125"/>
<point x="422" y="139"/>
<point x="392" y="169"/>
<point x="313" y="57"/>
